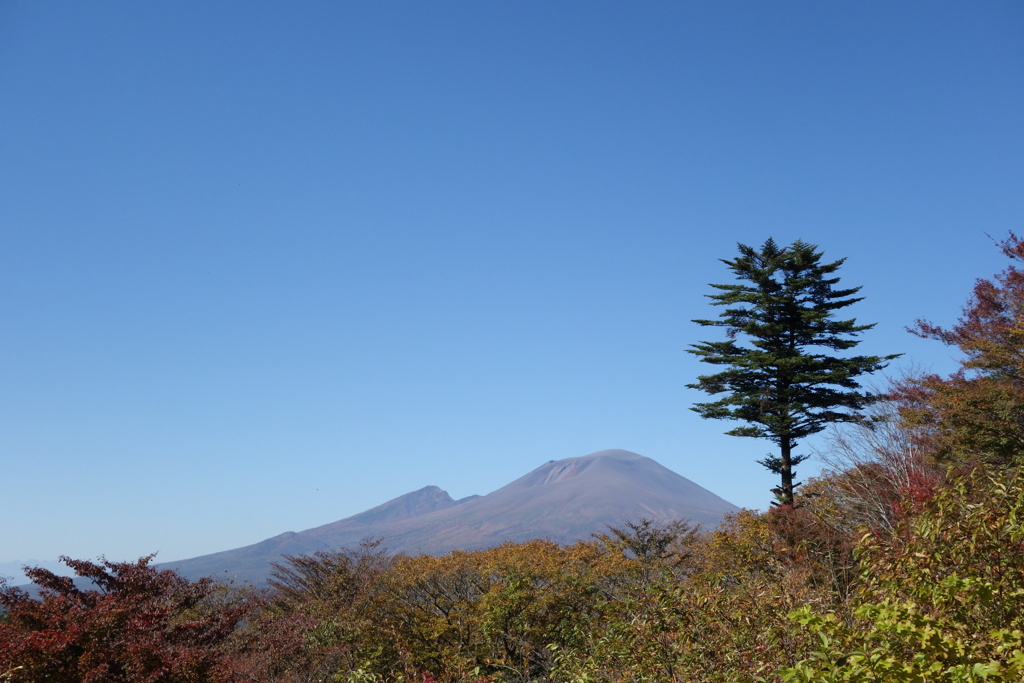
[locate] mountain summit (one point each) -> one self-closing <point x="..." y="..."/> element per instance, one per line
<point x="562" y="500"/>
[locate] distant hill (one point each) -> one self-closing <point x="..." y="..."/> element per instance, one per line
<point x="563" y="500"/>
<point x="12" y="571"/>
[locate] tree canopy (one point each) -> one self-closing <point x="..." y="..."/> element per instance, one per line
<point x="977" y="413"/>
<point x="789" y="381"/>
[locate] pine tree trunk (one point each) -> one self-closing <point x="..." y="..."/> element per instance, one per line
<point x="786" y="470"/>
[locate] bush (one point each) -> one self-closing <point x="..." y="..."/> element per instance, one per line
<point x="137" y="625"/>
<point x="942" y="599"/>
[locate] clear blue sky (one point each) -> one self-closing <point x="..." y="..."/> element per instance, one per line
<point x="266" y="265"/>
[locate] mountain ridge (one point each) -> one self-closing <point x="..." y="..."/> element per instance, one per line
<point x="562" y="500"/>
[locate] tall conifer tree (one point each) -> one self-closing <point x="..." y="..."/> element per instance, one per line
<point x="788" y="383"/>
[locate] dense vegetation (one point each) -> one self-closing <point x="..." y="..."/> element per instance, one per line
<point x="905" y="562"/>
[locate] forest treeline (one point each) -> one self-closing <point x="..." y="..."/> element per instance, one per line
<point x="904" y="561"/>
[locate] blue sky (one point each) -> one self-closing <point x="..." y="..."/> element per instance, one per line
<point x="266" y="265"/>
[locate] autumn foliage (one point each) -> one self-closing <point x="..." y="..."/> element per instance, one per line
<point x="132" y="623"/>
<point x="904" y="561"/>
<point x="977" y="414"/>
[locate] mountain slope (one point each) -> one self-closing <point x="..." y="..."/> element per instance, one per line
<point x="564" y="500"/>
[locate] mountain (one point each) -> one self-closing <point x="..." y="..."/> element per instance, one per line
<point x="12" y="571"/>
<point x="563" y="500"/>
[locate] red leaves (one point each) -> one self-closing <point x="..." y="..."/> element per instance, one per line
<point x="976" y="414"/>
<point x="136" y="624"/>
<point x="990" y="331"/>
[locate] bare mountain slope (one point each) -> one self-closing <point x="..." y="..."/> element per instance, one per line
<point x="563" y="500"/>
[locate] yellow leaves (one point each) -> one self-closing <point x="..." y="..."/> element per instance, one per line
<point x="495" y="609"/>
<point x="941" y="597"/>
<point x="7" y="675"/>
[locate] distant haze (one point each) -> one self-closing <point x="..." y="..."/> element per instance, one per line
<point x="563" y="500"/>
<point x="12" y="571"/>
